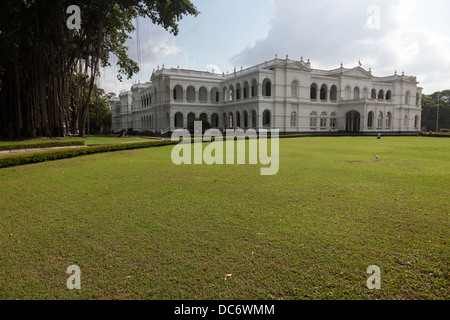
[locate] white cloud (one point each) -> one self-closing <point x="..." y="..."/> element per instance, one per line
<point x="154" y="46"/>
<point x="330" y="32"/>
<point x="213" y="68"/>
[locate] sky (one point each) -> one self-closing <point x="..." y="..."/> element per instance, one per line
<point x="388" y="36"/>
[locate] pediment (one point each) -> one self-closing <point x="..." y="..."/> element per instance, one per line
<point x="358" y="72"/>
<point x="298" y="66"/>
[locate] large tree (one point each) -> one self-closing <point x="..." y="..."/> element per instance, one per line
<point x="430" y="110"/>
<point x="46" y="68"/>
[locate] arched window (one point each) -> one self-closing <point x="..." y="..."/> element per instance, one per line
<point x="380" y="120"/>
<point x="178" y="120"/>
<point x="294" y="89"/>
<point x="323" y="92"/>
<point x="190" y="94"/>
<point x="381" y="95"/>
<point x="313" y="92"/>
<point x="231" y="94"/>
<point x="323" y="120"/>
<point x="245" y="119"/>
<point x="178" y="93"/>
<point x="373" y="94"/>
<point x="231" y="120"/>
<point x="225" y="95"/>
<point x="214" y="120"/>
<point x="267" y="88"/>
<point x="388" y="120"/>
<point x="190" y="118"/>
<point x="333" y="120"/>
<point x="333" y="93"/>
<point x="238" y="91"/>
<point x="356" y="93"/>
<point x="214" y="95"/>
<point x="203" y="95"/>
<point x="370" y="120"/>
<point x="238" y="119"/>
<point x="254" y="89"/>
<point x="293" y="119"/>
<point x="245" y="90"/>
<point x="225" y="122"/>
<point x="203" y="117"/>
<point x="266" y="118"/>
<point x="313" y="120"/>
<point x="254" y="119"/>
<point x="388" y="95"/>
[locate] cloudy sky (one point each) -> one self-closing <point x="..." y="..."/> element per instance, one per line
<point x="387" y="35"/>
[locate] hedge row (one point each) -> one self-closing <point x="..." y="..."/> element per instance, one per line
<point x="435" y="134"/>
<point x="21" y="159"/>
<point x="42" y="144"/>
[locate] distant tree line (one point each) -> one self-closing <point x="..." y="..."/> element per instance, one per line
<point x="429" y="111"/>
<point x="47" y="70"/>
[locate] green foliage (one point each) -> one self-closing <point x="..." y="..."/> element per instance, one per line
<point x="42" y="144"/>
<point x="100" y="115"/>
<point x="442" y="134"/>
<point x="21" y="159"/>
<point x="429" y="110"/>
<point x="205" y="125"/>
<point x="39" y="56"/>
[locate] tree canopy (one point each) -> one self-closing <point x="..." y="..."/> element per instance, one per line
<point x="46" y="69"/>
<point x="429" y="110"/>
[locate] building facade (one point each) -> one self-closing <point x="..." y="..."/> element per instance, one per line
<point x="282" y="94"/>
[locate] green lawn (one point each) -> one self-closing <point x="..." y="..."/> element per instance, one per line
<point x="111" y="139"/>
<point x="140" y="227"/>
<point x="89" y="140"/>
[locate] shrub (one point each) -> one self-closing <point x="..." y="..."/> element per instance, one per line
<point x="435" y="134"/>
<point x="205" y="125"/>
<point x="35" y="157"/>
<point x="42" y="144"/>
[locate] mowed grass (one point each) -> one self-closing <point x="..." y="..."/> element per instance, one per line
<point x="140" y="227"/>
<point x="90" y="140"/>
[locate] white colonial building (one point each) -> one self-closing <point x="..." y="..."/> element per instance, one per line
<point x="279" y="94"/>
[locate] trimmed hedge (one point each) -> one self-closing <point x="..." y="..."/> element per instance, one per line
<point x="21" y="159"/>
<point x="435" y="134"/>
<point x="42" y="144"/>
